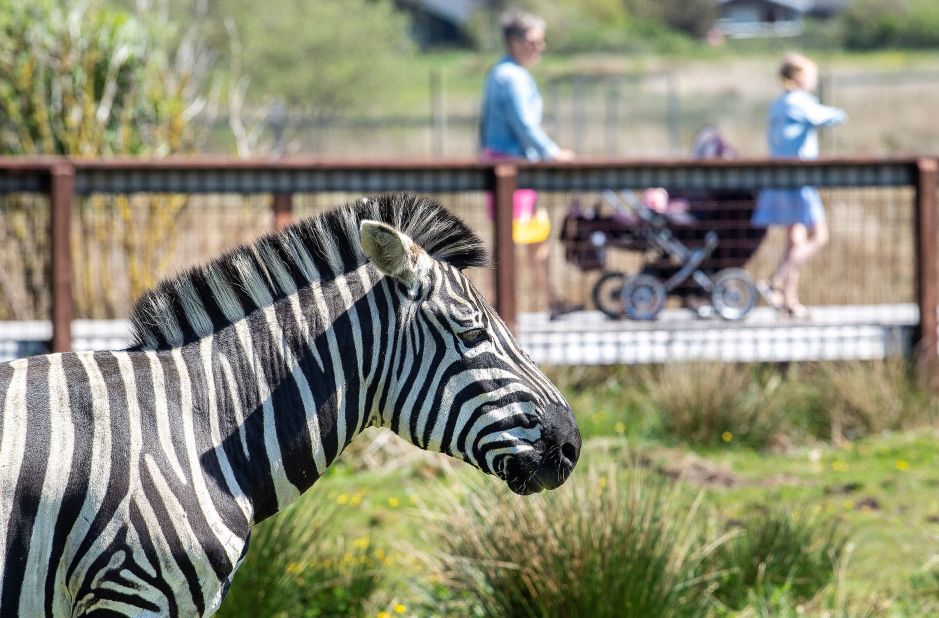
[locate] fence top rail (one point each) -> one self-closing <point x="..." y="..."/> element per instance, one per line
<point x="33" y="162"/>
<point x="302" y="174"/>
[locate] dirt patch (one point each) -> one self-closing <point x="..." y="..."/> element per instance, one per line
<point x="698" y="471"/>
<point x="867" y="503"/>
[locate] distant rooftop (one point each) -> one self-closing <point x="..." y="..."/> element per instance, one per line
<point x="768" y="18"/>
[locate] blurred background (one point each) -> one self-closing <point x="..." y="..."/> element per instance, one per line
<point x="710" y="486"/>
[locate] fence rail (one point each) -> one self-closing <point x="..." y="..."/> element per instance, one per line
<point x="66" y="181"/>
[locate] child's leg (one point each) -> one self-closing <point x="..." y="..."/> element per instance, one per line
<point x="802" y="243"/>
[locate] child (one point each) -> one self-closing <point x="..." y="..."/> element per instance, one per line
<point x="793" y="119"/>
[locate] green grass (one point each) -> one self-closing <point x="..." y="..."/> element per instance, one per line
<point x="869" y="506"/>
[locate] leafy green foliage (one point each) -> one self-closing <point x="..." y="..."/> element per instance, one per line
<point x="84" y="78"/>
<point x="326" y="56"/>
<point x="590" y="26"/>
<point x="873" y="24"/>
<point x="693" y="17"/>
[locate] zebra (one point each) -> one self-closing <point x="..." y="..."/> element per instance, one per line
<point x="130" y="480"/>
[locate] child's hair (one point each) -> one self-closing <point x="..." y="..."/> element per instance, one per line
<point x="793" y="68"/>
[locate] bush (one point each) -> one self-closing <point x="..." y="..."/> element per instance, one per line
<point x="84" y="78"/>
<point x="602" y="545"/>
<point x="872" y="24"/>
<point x="708" y="404"/>
<point x="777" y="552"/>
<point x="92" y="80"/>
<point x="590" y="26"/>
<point x="327" y="57"/>
<point x="299" y="559"/>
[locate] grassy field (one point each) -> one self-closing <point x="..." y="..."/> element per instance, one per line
<point x="822" y="504"/>
<point x="618" y="104"/>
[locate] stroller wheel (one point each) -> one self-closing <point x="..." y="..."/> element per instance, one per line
<point x="734" y="294"/>
<point x="643" y="297"/>
<point x="607" y="294"/>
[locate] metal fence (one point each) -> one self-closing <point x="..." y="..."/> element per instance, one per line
<point x="80" y="239"/>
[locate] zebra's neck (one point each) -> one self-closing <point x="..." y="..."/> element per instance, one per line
<point x="296" y="381"/>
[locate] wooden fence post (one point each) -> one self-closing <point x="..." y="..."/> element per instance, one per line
<point x="505" y="181"/>
<point x="927" y="171"/>
<point x="282" y="208"/>
<point x="61" y="196"/>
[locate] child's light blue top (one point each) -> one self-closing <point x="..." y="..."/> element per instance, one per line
<point x="510" y="119"/>
<point x="793" y="119"/>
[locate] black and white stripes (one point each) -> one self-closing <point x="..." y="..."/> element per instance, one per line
<point x="129" y="480"/>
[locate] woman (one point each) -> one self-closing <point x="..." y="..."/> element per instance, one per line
<point x="794" y="118"/>
<point x="510" y="127"/>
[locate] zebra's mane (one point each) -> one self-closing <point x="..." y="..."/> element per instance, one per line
<point x="206" y="298"/>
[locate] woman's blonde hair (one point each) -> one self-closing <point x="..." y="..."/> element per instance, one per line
<point x="794" y="68"/>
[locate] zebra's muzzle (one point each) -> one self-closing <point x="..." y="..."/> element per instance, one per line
<point x="552" y="460"/>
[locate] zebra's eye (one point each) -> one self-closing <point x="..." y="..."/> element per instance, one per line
<point x="473" y="335"/>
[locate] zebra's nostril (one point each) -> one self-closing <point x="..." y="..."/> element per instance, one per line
<point x="569" y="453"/>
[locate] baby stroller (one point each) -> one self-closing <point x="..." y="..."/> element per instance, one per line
<point x="695" y="254"/>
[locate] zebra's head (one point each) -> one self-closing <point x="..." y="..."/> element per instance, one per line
<point x="460" y="383"/>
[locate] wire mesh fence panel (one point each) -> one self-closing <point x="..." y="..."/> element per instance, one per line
<point x="659" y="261"/>
<point x="24" y="257"/>
<point x="125" y="244"/>
<point x="656" y="278"/>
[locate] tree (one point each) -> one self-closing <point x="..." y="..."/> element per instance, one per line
<point x="327" y="56"/>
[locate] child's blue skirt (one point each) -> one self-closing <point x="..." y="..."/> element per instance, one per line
<point x="788" y="207"/>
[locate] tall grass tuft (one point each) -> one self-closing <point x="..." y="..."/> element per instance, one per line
<point x="602" y="545"/>
<point x="777" y="554"/>
<point x="862" y="398"/>
<point x="299" y="564"/>
<point x="708" y="404"/>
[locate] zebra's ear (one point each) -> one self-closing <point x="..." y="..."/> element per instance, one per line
<point x="392" y="252"/>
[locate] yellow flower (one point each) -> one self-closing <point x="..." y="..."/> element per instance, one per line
<point x="343" y="499"/>
<point x="903" y="465"/>
<point x="602" y="482"/>
<point x="393" y="502"/>
<point x="619" y="428"/>
<point x="839" y="466"/>
<point x="727" y="436"/>
<point x="294" y="568"/>
<point x="400" y="609"/>
<point x="384" y="615"/>
<point x="360" y="543"/>
<point x="356" y="498"/>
